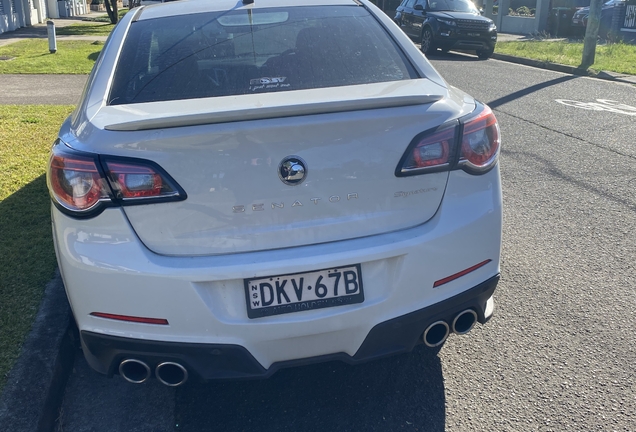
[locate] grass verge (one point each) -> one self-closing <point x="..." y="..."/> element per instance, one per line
<point x="26" y="245"/>
<point x="32" y="57"/>
<point x="617" y="57"/>
<point x="104" y="18"/>
<point x="101" y="29"/>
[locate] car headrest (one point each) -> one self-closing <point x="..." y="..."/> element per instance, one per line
<point x="312" y="38"/>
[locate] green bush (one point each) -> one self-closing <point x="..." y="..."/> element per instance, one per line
<point x="523" y="11"/>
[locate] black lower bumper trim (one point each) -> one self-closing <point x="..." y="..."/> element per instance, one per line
<point x="223" y="361"/>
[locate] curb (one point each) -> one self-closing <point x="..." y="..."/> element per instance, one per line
<point x="35" y="386"/>
<point x="572" y="70"/>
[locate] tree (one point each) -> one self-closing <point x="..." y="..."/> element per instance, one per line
<point x="591" y="33"/>
<point x="111" y="10"/>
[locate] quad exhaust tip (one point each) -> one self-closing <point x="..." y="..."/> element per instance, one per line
<point x="171" y="374"/>
<point x="134" y="371"/>
<point x="464" y="322"/>
<point x="436" y="334"/>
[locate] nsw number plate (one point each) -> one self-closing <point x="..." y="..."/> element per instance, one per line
<point x="282" y="294"/>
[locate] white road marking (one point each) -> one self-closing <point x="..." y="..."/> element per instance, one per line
<point x="601" y="105"/>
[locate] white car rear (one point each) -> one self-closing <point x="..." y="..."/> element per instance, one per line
<point x="249" y="187"/>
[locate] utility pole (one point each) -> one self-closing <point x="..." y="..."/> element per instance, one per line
<point x="591" y="33"/>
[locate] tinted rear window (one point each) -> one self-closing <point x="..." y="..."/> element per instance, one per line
<point x="254" y="51"/>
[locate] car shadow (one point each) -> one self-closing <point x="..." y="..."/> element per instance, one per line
<point x="28" y="263"/>
<point x="405" y="391"/>
<point x="25" y="220"/>
<point x="95" y="403"/>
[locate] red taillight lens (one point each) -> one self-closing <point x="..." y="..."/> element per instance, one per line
<point x="433" y="150"/>
<point x="83" y="184"/>
<point x="75" y="182"/>
<point x="442" y="148"/>
<point x="137" y="181"/>
<point x="480" y="142"/>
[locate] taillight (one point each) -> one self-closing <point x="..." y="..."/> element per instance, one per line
<point x="75" y="182"/>
<point x="83" y="184"/>
<point x="481" y="141"/>
<point x="429" y="151"/>
<point x="138" y="180"/>
<point x="471" y="143"/>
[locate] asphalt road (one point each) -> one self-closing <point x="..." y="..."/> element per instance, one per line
<point x="558" y="355"/>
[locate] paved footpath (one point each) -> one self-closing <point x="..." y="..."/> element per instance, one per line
<point x="39" y="31"/>
<point x="31" y="89"/>
<point x="41" y="89"/>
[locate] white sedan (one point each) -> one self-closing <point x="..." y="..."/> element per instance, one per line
<point x="245" y="187"/>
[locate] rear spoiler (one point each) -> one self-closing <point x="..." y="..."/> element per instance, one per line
<point x="260" y="106"/>
<point x="269" y="112"/>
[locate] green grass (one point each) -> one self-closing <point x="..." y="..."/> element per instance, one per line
<point x="104" y="18"/>
<point x="26" y="246"/>
<point x="32" y="57"/>
<point x="101" y="29"/>
<point x="618" y="57"/>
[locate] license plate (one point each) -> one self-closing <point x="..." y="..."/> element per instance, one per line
<point x="275" y="295"/>
<point x="473" y="34"/>
<point x="575" y="21"/>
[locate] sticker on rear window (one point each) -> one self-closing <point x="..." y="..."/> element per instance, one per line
<point x="266" y="83"/>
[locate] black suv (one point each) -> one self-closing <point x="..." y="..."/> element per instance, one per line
<point x="447" y="24"/>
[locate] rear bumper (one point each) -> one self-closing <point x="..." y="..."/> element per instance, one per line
<point x="107" y="269"/>
<point x="224" y="361"/>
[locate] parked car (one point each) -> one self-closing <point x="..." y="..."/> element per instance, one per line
<point x="447" y="24"/>
<point x="245" y="188"/>
<point x="580" y="17"/>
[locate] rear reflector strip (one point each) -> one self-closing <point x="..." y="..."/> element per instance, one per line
<point x="460" y="274"/>
<point x="158" y="321"/>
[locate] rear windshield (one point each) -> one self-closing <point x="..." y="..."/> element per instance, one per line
<point x="254" y="51"/>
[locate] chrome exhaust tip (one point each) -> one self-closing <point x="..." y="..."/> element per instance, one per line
<point x="464" y="322"/>
<point x="134" y="371"/>
<point x="171" y="374"/>
<point x="435" y="334"/>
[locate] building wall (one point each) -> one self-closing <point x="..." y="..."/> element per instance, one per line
<point x="22" y="13"/>
<point x="4" y="22"/>
<point x="517" y="25"/>
<point x="10" y="15"/>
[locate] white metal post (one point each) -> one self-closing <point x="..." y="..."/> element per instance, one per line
<point x="50" y="30"/>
